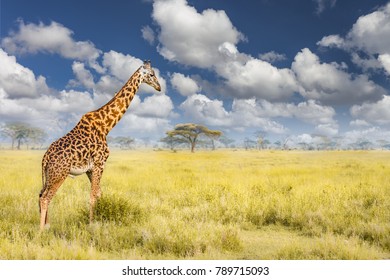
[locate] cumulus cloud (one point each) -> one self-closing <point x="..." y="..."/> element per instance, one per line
<point x="148" y="34"/>
<point x="120" y="65"/>
<point x="84" y="77"/>
<point x="132" y="124"/>
<point x="154" y="106"/>
<point x="375" y="135"/>
<point x="384" y="59"/>
<point x="18" y="81"/>
<point x="23" y="97"/>
<point x="371" y="35"/>
<point x="119" y="68"/>
<point x="371" y="32"/>
<point x="377" y="112"/>
<point x="202" y="109"/>
<point x="185" y="85"/>
<point x="272" y="56"/>
<point x="332" y="41"/>
<point x="189" y="37"/>
<point x="323" y="4"/>
<point x="52" y="38"/>
<point x="330" y="83"/>
<point x="249" y="113"/>
<point x="208" y="39"/>
<point x="308" y="111"/>
<point x="257" y="78"/>
<point x="329" y="129"/>
<point x="359" y="123"/>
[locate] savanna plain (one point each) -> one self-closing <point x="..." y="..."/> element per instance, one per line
<point x="221" y="204"/>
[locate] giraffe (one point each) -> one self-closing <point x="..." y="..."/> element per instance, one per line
<point x="84" y="149"/>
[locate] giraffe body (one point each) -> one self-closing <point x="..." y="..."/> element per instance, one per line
<point x="84" y="149"/>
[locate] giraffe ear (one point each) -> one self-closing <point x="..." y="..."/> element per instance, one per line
<point x="147" y="62"/>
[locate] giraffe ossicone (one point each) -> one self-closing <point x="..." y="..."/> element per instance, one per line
<point x="84" y="149"/>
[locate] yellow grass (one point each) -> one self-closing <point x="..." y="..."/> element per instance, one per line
<point x="207" y="205"/>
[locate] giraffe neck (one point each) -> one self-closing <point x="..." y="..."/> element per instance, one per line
<point x="110" y="114"/>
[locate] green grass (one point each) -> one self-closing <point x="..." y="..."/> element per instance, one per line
<point x="207" y="205"/>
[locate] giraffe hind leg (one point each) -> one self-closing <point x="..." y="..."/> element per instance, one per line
<point x="94" y="178"/>
<point x="45" y="197"/>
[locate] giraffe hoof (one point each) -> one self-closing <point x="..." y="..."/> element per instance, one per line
<point x="47" y="226"/>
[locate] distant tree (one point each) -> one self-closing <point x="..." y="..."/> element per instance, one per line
<point x="260" y="139"/>
<point x="172" y="141"/>
<point x="146" y="141"/>
<point x="278" y="144"/>
<point x="226" y="140"/>
<point x="285" y="142"/>
<point x="249" y="143"/>
<point x="363" y="144"/>
<point x="21" y="133"/>
<point x="384" y="144"/>
<point x="213" y="135"/>
<point x="36" y="137"/>
<point x="190" y="133"/>
<point x="125" y="143"/>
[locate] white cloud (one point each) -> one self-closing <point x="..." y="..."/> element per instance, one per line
<point x="52" y="38"/>
<point x="330" y="83"/>
<point x="120" y="67"/>
<point x="18" y="81"/>
<point x="272" y="56"/>
<point x="370" y="34"/>
<point x="329" y="129"/>
<point x="359" y="123"/>
<point x="256" y="78"/>
<point x="323" y="4"/>
<point x="26" y="98"/>
<point x="312" y="112"/>
<point x="148" y="34"/>
<point x="185" y="85"/>
<point x="384" y="59"/>
<point x="332" y="41"/>
<point x="373" y="134"/>
<point x="135" y="125"/>
<point x="308" y="111"/>
<point x="377" y="112"/>
<point x="228" y="50"/>
<point x="11" y="109"/>
<point x="83" y="76"/>
<point x="154" y="106"/>
<point x="208" y="39"/>
<point x="252" y="113"/>
<point x="189" y="37"/>
<point x="202" y="109"/>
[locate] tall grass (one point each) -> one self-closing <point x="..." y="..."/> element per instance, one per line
<point x="207" y="205"/>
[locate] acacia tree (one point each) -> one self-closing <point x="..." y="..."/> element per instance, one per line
<point x="190" y="132"/>
<point x="172" y="141"/>
<point x="124" y="142"/>
<point x="21" y="132"/>
<point x="260" y="139"/>
<point x="226" y="141"/>
<point x="36" y="136"/>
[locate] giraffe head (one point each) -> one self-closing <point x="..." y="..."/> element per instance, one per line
<point x="148" y="76"/>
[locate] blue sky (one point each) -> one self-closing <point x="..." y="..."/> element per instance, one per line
<point x="304" y="69"/>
